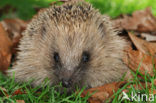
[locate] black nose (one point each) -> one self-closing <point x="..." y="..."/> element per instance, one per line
<point x="65" y="83"/>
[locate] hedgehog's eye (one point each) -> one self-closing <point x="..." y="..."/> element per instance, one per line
<point x="56" y="57"/>
<point x="85" y="57"/>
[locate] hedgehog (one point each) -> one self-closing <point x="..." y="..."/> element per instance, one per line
<point x="72" y="43"/>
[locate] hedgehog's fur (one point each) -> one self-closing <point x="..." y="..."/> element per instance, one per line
<point x="70" y="30"/>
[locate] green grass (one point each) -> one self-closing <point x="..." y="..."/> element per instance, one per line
<point x="40" y="94"/>
<point x="49" y="94"/>
<point x="25" y="9"/>
<point x="138" y="92"/>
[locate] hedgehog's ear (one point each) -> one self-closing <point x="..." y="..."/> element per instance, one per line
<point x="43" y="30"/>
<point x="107" y="26"/>
<point x="104" y="29"/>
<point x="101" y="27"/>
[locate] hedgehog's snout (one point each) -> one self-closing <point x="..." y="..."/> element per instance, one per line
<point x="66" y="83"/>
<point x="65" y="77"/>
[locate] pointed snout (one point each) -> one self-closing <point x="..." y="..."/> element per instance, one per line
<point x="66" y="83"/>
<point x="66" y="77"/>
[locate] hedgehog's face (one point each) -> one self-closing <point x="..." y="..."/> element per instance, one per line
<point x="73" y="54"/>
<point x="70" y="72"/>
<point x="75" y="51"/>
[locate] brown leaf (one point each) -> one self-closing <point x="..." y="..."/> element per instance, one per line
<point x="152" y="91"/>
<point x="143" y="46"/>
<point x="102" y="93"/>
<point x="141" y="21"/>
<point x="17" y="92"/>
<point x="14" y="27"/>
<point x="5" y="49"/>
<point x="134" y="58"/>
<point x="140" y="86"/>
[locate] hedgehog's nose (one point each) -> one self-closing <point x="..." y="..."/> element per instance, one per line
<point x="65" y="83"/>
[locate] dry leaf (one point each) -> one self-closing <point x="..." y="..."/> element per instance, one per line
<point x="102" y="93"/>
<point x="17" y="92"/>
<point x="10" y="35"/>
<point x="134" y="58"/>
<point x="5" y="49"/>
<point x="14" y="27"/>
<point x="152" y="91"/>
<point x="141" y="56"/>
<point x="141" y="21"/>
<point x="140" y="86"/>
<point x="143" y="46"/>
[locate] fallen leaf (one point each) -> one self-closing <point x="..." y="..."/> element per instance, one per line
<point x="102" y="93"/>
<point x="10" y="35"/>
<point x="17" y="92"/>
<point x="142" y="45"/>
<point x="140" y="86"/>
<point x="152" y="91"/>
<point x="5" y="49"/>
<point x="133" y="58"/>
<point x="14" y="27"/>
<point x="141" y="21"/>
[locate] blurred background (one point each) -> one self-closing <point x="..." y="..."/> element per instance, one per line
<point x="25" y="9"/>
